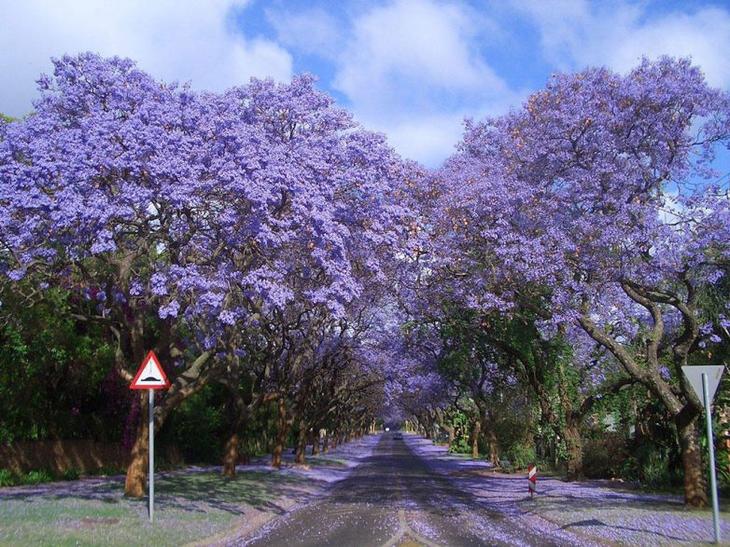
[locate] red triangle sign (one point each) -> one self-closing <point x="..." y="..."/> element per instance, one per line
<point x="150" y="374"/>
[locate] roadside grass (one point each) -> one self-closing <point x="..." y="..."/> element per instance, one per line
<point x="40" y="476"/>
<point x="327" y="461"/>
<point x="188" y="507"/>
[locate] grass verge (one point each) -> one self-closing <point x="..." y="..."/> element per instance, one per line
<point x="188" y="507"/>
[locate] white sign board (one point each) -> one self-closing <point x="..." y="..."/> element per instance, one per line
<point x="694" y="375"/>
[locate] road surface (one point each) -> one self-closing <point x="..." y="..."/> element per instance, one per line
<point x="395" y="498"/>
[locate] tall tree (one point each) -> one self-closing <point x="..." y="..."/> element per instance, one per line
<point x="186" y="216"/>
<point x="583" y="201"/>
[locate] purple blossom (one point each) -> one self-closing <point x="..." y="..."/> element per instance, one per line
<point x="17" y="274"/>
<point x="169" y="310"/>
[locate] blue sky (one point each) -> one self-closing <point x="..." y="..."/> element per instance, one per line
<point x="412" y="69"/>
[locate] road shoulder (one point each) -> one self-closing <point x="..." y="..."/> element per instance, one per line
<point x="320" y="475"/>
<point x="597" y="512"/>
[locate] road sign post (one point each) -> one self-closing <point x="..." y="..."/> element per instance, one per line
<point x="711" y="450"/>
<point x="704" y="381"/>
<point x="151" y="376"/>
<point x="152" y="454"/>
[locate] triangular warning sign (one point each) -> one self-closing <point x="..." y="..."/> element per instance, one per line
<point x="694" y="375"/>
<point x="150" y="374"/>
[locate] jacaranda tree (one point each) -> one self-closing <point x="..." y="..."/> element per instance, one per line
<point x="183" y="215"/>
<point x="584" y="206"/>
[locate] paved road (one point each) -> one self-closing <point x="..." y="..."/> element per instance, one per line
<point x="394" y="498"/>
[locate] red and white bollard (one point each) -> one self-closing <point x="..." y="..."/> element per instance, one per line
<point x="532" y="479"/>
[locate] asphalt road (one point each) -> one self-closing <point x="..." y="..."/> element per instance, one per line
<point x="395" y="498"/>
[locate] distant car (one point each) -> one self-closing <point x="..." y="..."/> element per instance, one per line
<point x="398" y="436"/>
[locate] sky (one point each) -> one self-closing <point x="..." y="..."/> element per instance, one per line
<point x="412" y="69"/>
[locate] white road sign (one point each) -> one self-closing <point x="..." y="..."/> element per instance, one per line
<point x="694" y="375"/>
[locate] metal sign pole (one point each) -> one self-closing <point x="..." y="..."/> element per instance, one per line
<point x="711" y="450"/>
<point x="152" y="455"/>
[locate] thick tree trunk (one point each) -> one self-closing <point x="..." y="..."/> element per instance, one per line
<point x="231" y="451"/>
<point x="315" y="442"/>
<point x="695" y="486"/>
<point x="281" y="434"/>
<point x="493" y="446"/>
<point x="326" y="443"/>
<point x="134" y="484"/>
<point x="574" y="448"/>
<point x="476" y="431"/>
<point x="276" y="455"/>
<point x="230" y="455"/>
<point x="300" y="457"/>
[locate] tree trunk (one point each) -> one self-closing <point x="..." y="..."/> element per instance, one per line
<point x="300" y="457"/>
<point x="326" y="443"/>
<point x="230" y="455"/>
<point x="315" y="442"/>
<point x="574" y="447"/>
<point x="281" y="435"/>
<point x="231" y="451"/>
<point x="276" y="455"/>
<point x="134" y="484"/>
<point x="476" y="431"/>
<point x="493" y="447"/>
<point x="695" y="486"/>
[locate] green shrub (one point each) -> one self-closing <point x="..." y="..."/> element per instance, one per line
<point x="71" y="474"/>
<point x="605" y="457"/>
<point x="652" y="466"/>
<point x="199" y="426"/>
<point x="7" y="478"/>
<point x="36" y="477"/>
<point x="107" y="470"/>
<point x="521" y="455"/>
<point x="630" y="469"/>
<point x="460" y="445"/>
<point x="655" y="470"/>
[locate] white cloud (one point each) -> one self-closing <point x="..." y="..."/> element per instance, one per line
<point x="312" y="31"/>
<point x="415" y="39"/>
<point x="426" y="138"/>
<point x="409" y="69"/>
<point x="172" y="39"/>
<point x="575" y="33"/>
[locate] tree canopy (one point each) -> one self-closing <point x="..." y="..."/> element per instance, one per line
<point x="259" y="239"/>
